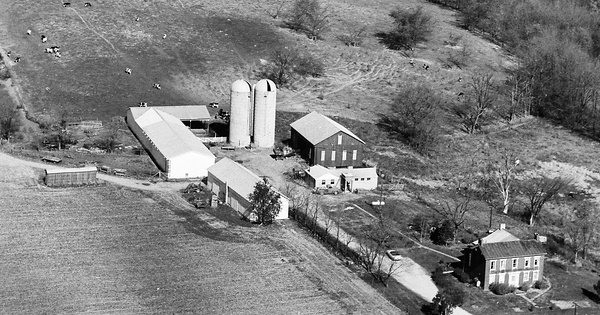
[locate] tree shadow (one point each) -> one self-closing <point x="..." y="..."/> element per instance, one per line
<point x="591" y="295"/>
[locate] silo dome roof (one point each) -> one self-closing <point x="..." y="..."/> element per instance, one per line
<point x="240" y="86"/>
<point x="265" y="85"/>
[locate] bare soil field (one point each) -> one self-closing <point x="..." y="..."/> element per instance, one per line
<point x="115" y="250"/>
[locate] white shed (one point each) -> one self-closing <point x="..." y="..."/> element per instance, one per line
<point x="233" y="183"/>
<point x="175" y="150"/>
<point x="346" y="179"/>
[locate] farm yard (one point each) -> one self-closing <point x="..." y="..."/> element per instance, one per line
<point x="116" y="250"/>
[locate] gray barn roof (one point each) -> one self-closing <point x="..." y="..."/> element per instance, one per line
<point x="316" y="128"/>
<point x="512" y="249"/>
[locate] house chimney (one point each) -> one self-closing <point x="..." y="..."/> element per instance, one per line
<point x="502" y="226"/>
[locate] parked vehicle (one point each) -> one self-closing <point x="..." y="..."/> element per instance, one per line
<point x="51" y="159"/>
<point x="213" y="105"/>
<point x="327" y="191"/>
<point x="393" y="255"/>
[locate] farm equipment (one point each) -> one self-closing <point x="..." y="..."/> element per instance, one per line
<point x="283" y="153"/>
<point x="119" y="172"/>
<point x="51" y="159"/>
<point x="213" y="105"/>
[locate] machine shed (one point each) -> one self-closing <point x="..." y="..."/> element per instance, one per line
<point x="175" y="150"/>
<point x="233" y="183"/>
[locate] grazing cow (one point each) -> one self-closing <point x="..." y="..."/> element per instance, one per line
<point x="17" y="59"/>
<point x="28" y="32"/>
<point x="48" y="50"/>
<point x="164" y="36"/>
<point x="8" y="53"/>
<point x="156" y="86"/>
<point x="44" y="38"/>
<point x="87" y="4"/>
<point x="425" y="66"/>
<point x="143" y="104"/>
<point x="137" y="19"/>
<point x="128" y="70"/>
<point x="412" y="62"/>
<point x="55" y="49"/>
<point x="460" y="94"/>
<point x="459" y="79"/>
<point x="57" y="54"/>
<point x="66" y="4"/>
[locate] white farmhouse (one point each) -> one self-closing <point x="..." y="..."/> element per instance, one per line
<point x="345" y="179"/>
<point x="175" y="150"/>
<point x="233" y="184"/>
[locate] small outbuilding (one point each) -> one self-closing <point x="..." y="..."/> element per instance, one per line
<point x="233" y="183"/>
<point x="71" y="176"/>
<point x="322" y="141"/>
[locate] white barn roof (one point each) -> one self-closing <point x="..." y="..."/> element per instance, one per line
<point x="237" y="177"/>
<point x="169" y="135"/>
<point x="182" y="112"/>
<point x="71" y="170"/>
<point x="316" y="128"/>
<point x="318" y="171"/>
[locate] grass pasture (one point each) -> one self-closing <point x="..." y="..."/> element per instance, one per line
<point x="114" y="250"/>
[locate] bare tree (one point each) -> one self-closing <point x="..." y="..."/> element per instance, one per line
<point x="10" y="121"/>
<point x="371" y="252"/>
<point x="276" y="8"/>
<point x="473" y="109"/>
<point x="456" y="211"/>
<point x="310" y="17"/>
<point x="521" y="98"/>
<point x="539" y="192"/>
<point x="355" y="37"/>
<point x="582" y="227"/>
<point x="502" y="174"/>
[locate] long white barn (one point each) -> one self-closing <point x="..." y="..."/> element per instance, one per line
<point x="175" y="150"/>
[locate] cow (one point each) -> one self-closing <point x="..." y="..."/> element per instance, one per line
<point x="164" y="36"/>
<point x="55" y="49"/>
<point x="459" y="79"/>
<point x="425" y="66"/>
<point x="128" y="70"/>
<point x="66" y="4"/>
<point x="17" y="59"/>
<point x="8" y="53"/>
<point x="412" y="62"/>
<point x="156" y="86"/>
<point x="44" y="38"/>
<point x="143" y="104"/>
<point x="57" y="54"/>
<point x="48" y="50"/>
<point x="28" y="32"/>
<point x="87" y="4"/>
<point x="137" y="19"/>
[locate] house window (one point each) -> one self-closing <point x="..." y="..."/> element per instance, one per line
<point x="526" y="276"/>
<point x="323" y="183"/>
<point x="535" y="276"/>
<point x="354" y="154"/>
<point x="536" y="261"/>
<point x="527" y="265"/>
<point x="356" y="179"/>
<point x="322" y="155"/>
<point x="500" y="278"/>
<point x="333" y="155"/>
<point x="492" y="278"/>
<point x="513" y="279"/>
<point x="344" y="155"/>
<point x="368" y="178"/>
<point x="332" y="181"/>
<point x="362" y="179"/>
<point x="515" y="262"/>
<point x="492" y="265"/>
<point x="502" y="264"/>
<point x="339" y="139"/>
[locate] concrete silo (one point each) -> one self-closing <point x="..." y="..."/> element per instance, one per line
<point x="265" y="97"/>
<point x="241" y="113"/>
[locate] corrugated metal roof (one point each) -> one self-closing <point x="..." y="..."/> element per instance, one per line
<point x="71" y="170"/>
<point x="511" y="249"/>
<point x="171" y="137"/>
<point x="316" y="128"/>
<point x="238" y="178"/>
<point x="497" y="236"/>
<point x="182" y="112"/>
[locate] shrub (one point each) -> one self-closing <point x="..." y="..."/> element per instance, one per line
<point x="285" y="65"/>
<point x="443" y="281"/>
<point x="542" y="285"/>
<point x="443" y="234"/>
<point x="461" y="276"/>
<point x="412" y="27"/>
<point x="525" y="286"/>
<point x="501" y="288"/>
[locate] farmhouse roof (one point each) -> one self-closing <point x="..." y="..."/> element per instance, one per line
<point x="318" y="171"/>
<point x="497" y="236"/>
<point x="182" y="112"/>
<point x="71" y="170"/>
<point x="167" y="133"/>
<point x="316" y="128"/>
<point x="511" y="249"/>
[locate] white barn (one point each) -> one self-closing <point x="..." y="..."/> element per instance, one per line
<point x="175" y="150"/>
<point x="345" y="179"/>
<point x="233" y="184"/>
